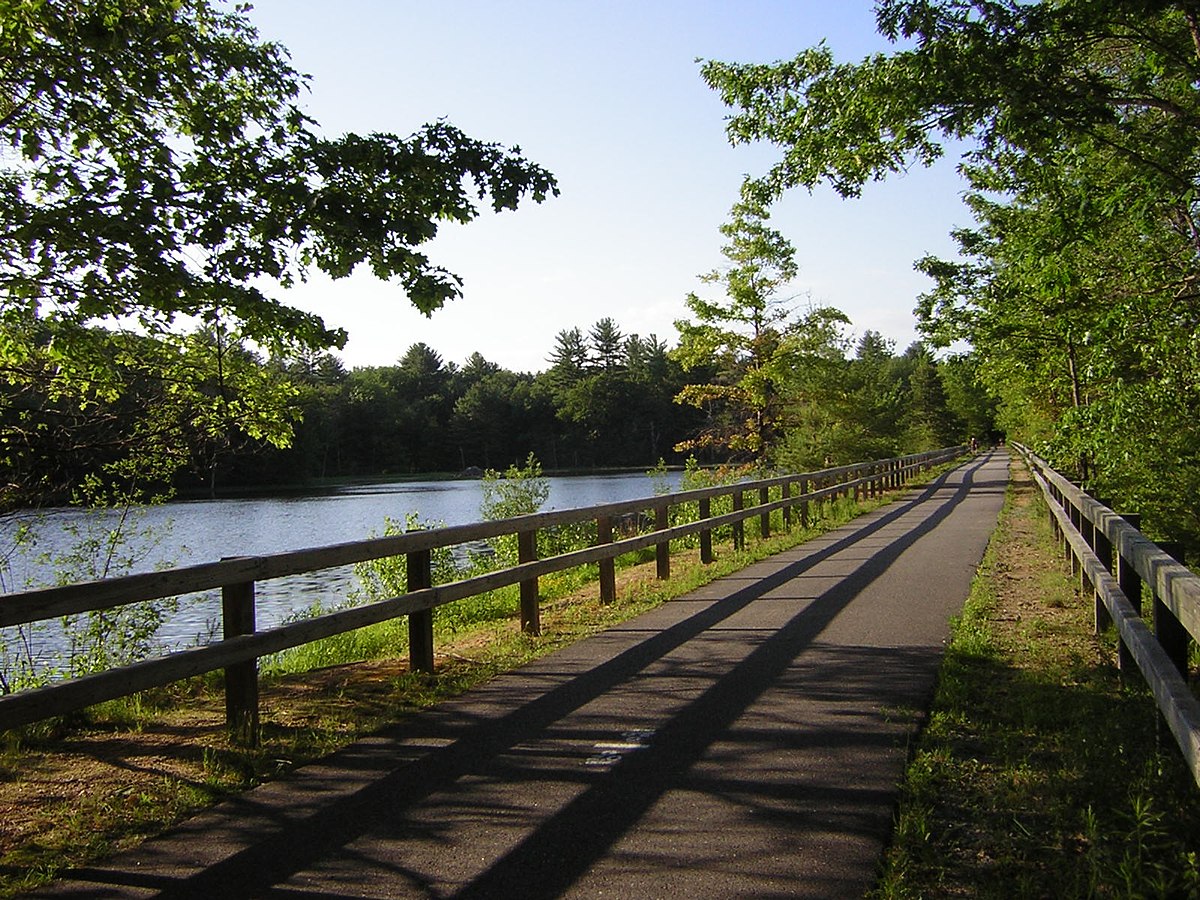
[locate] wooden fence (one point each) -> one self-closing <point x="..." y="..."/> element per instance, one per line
<point x="1113" y="560"/>
<point x="242" y="645"/>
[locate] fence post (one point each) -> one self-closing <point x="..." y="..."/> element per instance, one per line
<point x="1127" y="577"/>
<point x="739" y="531"/>
<point x="531" y="619"/>
<point x="804" y="502"/>
<point x="608" y="568"/>
<point x="662" y="551"/>
<point x="1073" y="518"/>
<point x="419" y="569"/>
<point x="764" y="520"/>
<point x="1131" y="586"/>
<point x="1055" y="527"/>
<point x="1104" y="552"/>
<point x="241" y="679"/>
<point x="785" y="494"/>
<point x="1087" y="530"/>
<point x="1170" y="632"/>
<point x="706" y="554"/>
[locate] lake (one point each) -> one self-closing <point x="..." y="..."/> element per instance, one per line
<point x="205" y="530"/>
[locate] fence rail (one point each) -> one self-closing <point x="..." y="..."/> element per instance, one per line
<point x="1113" y="560"/>
<point x="242" y="645"/>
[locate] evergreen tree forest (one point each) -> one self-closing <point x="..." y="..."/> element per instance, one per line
<point x="605" y="400"/>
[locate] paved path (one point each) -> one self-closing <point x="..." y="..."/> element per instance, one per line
<point x="743" y="741"/>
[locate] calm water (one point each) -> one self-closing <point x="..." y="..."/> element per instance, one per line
<point x="201" y="531"/>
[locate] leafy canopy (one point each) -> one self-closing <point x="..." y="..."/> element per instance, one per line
<point x="157" y="164"/>
<point x="1077" y="286"/>
<point x="156" y="174"/>
<point x="1005" y="73"/>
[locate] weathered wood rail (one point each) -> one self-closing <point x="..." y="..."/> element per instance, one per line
<point x="1114" y="560"/>
<point x="242" y="645"/>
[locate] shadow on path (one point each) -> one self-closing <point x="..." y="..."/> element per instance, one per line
<point x="265" y="846"/>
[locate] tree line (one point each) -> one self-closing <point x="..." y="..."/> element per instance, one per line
<point x="605" y="400"/>
<point x="207" y="414"/>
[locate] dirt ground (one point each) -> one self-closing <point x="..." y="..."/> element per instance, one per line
<point x="51" y="779"/>
<point x="1029" y="596"/>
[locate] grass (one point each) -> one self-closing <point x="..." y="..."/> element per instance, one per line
<point x="1041" y="772"/>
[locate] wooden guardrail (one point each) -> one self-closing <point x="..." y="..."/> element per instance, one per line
<point x="242" y="645"/>
<point x="1113" y="560"/>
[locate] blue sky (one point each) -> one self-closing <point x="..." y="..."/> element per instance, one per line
<point x="607" y="95"/>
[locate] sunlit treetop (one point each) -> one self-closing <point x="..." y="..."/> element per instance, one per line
<point x="1003" y="74"/>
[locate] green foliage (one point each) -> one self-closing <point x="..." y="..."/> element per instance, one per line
<point x="608" y="344"/>
<point x="928" y="422"/>
<point x="613" y="393"/>
<point x="107" y="638"/>
<point x="115" y="419"/>
<point x="518" y="491"/>
<point x="749" y="341"/>
<point x="1076" y="286"/>
<point x="658" y="478"/>
<point x="103" y="544"/>
<point x="158" y="173"/>
<point x="159" y="163"/>
<point x="382" y="579"/>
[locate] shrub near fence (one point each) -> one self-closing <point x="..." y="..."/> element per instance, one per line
<point x="1113" y="561"/>
<point x="242" y="645"/>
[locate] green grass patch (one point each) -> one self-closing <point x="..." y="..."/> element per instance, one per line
<point x="1041" y="772"/>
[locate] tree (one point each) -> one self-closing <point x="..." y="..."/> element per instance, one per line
<point x="969" y="401"/>
<point x="848" y="411"/>
<point x="498" y="420"/>
<point x="180" y="401"/>
<point x="422" y="384"/>
<point x="568" y="360"/>
<point x="1007" y="73"/>
<point x="1078" y="288"/>
<point x="746" y="338"/>
<point x="607" y="344"/>
<point x="320" y="379"/>
<point x="929" y="424"/>
<point x="158" y="170"/>
<point x="655" y="422"/>
<point x="158" y="164"/>
<point x="476" y="368"/>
